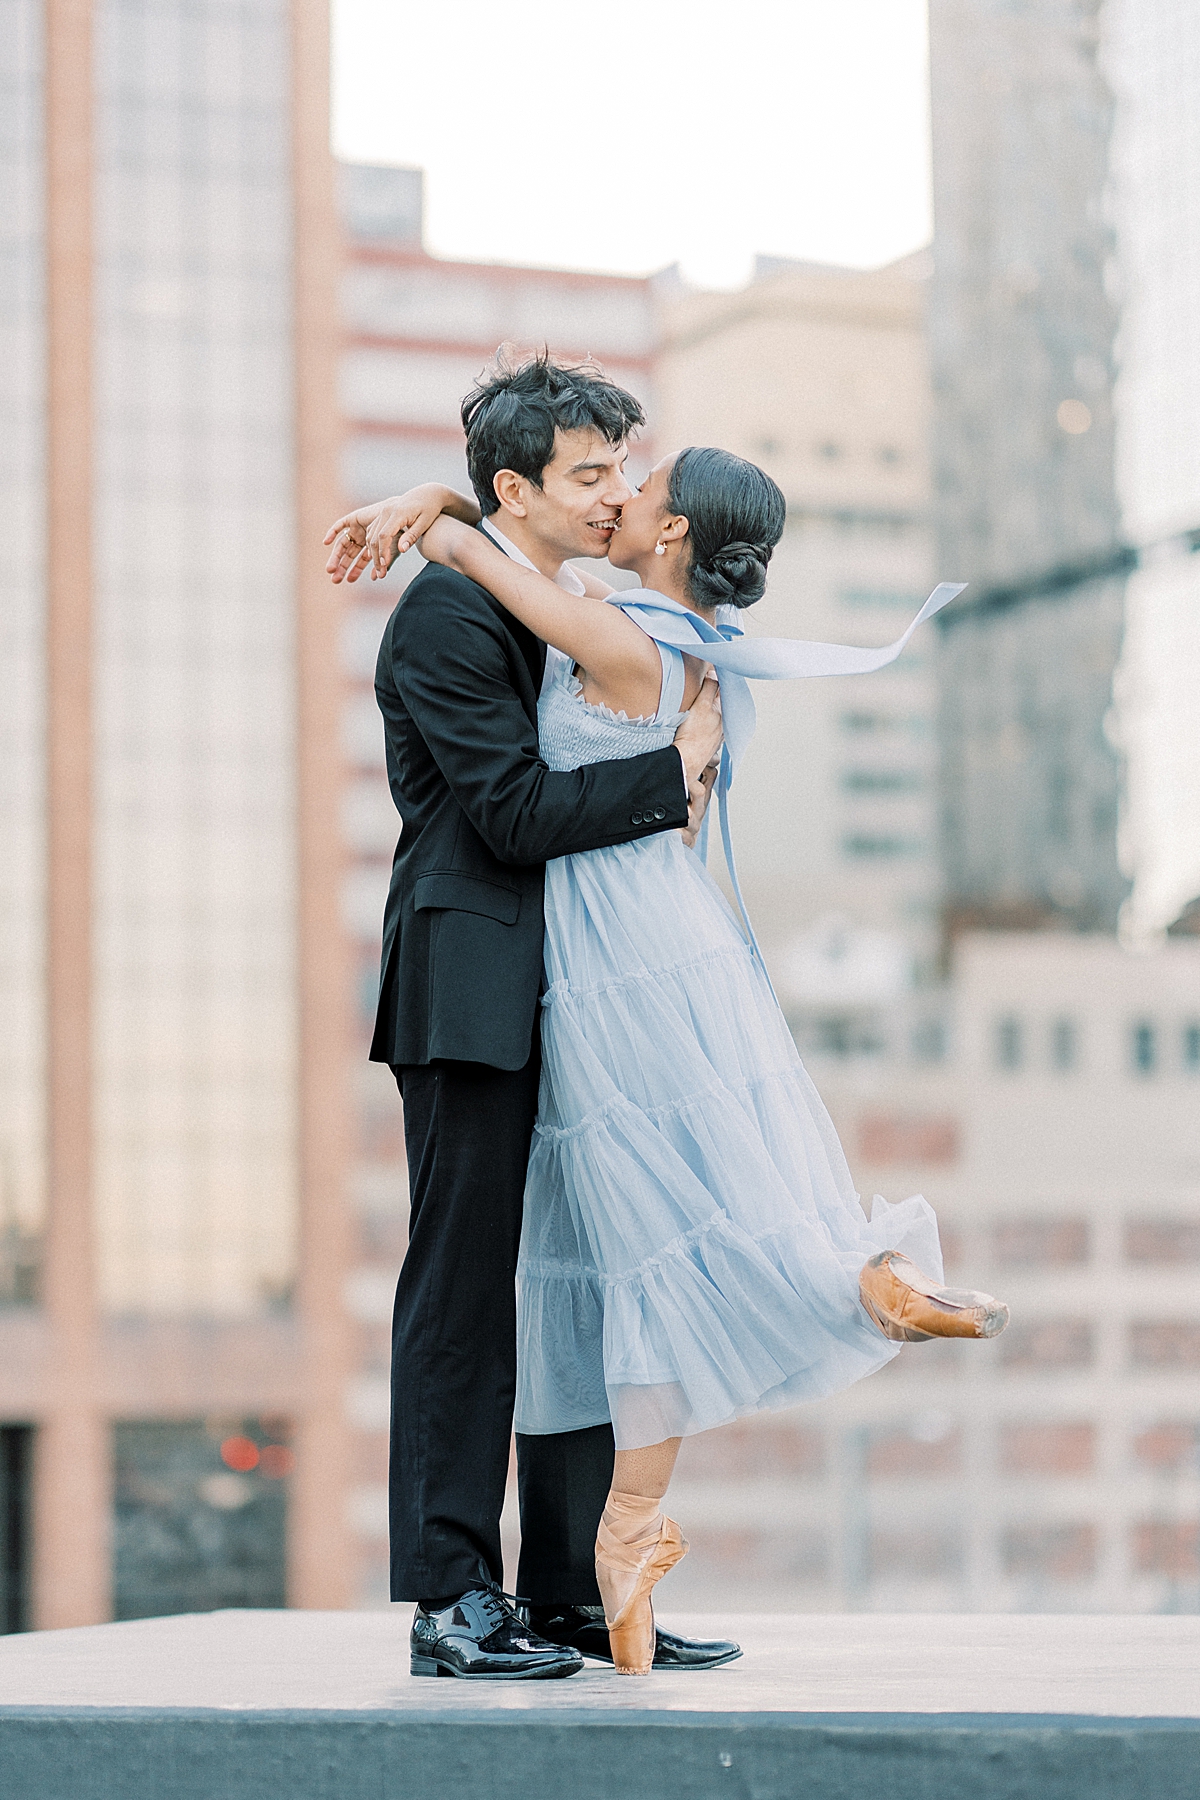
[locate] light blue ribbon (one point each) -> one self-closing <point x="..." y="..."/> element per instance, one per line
<point x="737" y="660"/>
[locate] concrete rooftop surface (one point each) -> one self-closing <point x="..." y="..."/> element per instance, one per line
<point x="235" y="1704"/>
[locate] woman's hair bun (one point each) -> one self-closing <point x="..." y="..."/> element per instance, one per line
<point x="735" y="516"/>
<point x="736" y="575"/>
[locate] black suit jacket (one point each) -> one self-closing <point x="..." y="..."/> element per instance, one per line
<point x="457" y="682"/>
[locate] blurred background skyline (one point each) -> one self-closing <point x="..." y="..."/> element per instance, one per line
<point x="976" y="875"/>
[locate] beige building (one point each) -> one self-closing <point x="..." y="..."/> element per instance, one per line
<point x="1058" y="1467"/>
<point x="820" y="376"/>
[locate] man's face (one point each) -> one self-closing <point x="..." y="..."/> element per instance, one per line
<point x="577" y="507"/>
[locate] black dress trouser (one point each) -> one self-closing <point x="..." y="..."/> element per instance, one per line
<point x="467" y="1130"/>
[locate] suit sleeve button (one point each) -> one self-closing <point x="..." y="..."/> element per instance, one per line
<point x="660" y="812"/>
<point x="635" y="818"/>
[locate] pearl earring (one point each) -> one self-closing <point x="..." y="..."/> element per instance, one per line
<point x="660" y="549"/>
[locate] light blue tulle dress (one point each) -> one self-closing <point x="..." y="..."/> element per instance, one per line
<point x="692" y="1240"/>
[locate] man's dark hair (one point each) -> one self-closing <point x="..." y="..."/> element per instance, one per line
<point x="511" y="415"/>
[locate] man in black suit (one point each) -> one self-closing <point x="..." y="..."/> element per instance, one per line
<point x="458" y="682"/>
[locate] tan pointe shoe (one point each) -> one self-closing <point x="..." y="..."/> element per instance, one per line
<point x="626" y="1573"/>
<point x="907" y="1306"/>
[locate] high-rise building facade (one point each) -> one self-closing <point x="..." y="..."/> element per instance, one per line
<point x="173" y="1011"/>
<point x="1022" y="327"/>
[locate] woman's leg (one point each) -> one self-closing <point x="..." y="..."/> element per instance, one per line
<point x="646" y="1472"/>
<point x="635" y="1547"/>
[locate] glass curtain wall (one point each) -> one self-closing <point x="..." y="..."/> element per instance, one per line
<point x="195" y="831"/>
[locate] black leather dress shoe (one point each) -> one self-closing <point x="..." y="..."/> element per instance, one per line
<point x="482" y="1637"/>
<point x="582" y="1628"/>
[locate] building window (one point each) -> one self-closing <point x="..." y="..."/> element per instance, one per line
<point x="1191" y="1046"/>
<point x="1056" y="1243"/>
<point x="860" y="723"/>
<point x="1143" y="1047"/>
<point x="1064" y="1044"/>
<point x="882" y="781"/>
<point x="1010" y="1042"/>
<point x="1052" y="1552"/>
<point x="929" y="1041"/>
<point x="200" y="1515"/>
<point x="891" y="599"/>
<point x="1162" y="1241"/>
<point x="16" y="1445"/>
<point x="368" y="991"/>
<point x="862" y="844"/>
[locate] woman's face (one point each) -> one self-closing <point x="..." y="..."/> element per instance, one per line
<point x="642" y="518"/>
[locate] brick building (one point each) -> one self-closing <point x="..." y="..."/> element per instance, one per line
<point x="1058" y="1467"/>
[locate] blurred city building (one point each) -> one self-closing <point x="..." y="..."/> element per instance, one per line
<point x="1059" y="1466"/>
<point x="1152" y="62"/>
<point x="1067" y="457"/>
<point x="1022" y="323"/>
<point x="821" y="376"/>
<point x="1056" y="1468"/>
<point x="202" y="1185"/>
<point x="173" y="1009"/>
<point x="420" y="330"/>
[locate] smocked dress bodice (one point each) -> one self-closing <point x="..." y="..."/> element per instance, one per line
<point x="573" y="731"/>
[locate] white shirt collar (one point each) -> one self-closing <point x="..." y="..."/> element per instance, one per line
<point x="566" y="578"/>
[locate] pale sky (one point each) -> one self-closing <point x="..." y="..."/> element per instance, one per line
<point x="628" y="134"/>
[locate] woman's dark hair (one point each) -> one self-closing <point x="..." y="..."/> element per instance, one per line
<point x="735" y="518"/>
<point x="511" y="415"/>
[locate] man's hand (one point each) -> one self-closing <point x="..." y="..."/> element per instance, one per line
<point x="699" y="738"/>
<point x="699" y="794"/>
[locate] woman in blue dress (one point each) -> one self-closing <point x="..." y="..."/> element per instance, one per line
<point x="693" y="1248"/>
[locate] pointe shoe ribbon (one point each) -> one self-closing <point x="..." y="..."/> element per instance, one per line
<point x="908" y="1307"/>
<point x="627" y="1572"/>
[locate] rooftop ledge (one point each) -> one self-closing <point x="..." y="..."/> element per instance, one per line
<point x="313" y="1706"/>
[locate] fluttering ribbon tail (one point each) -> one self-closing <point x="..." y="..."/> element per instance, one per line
<point x="738" y="660"/>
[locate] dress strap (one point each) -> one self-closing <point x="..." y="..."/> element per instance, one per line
<point x="671" y="696"/>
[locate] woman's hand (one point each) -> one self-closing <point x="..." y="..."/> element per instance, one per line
<point x="399" y="523"/>
<point x="348" y="536"/>
<point x="380" y="533"/>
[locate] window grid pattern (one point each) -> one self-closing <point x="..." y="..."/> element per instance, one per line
<point x="195" y="882"/>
